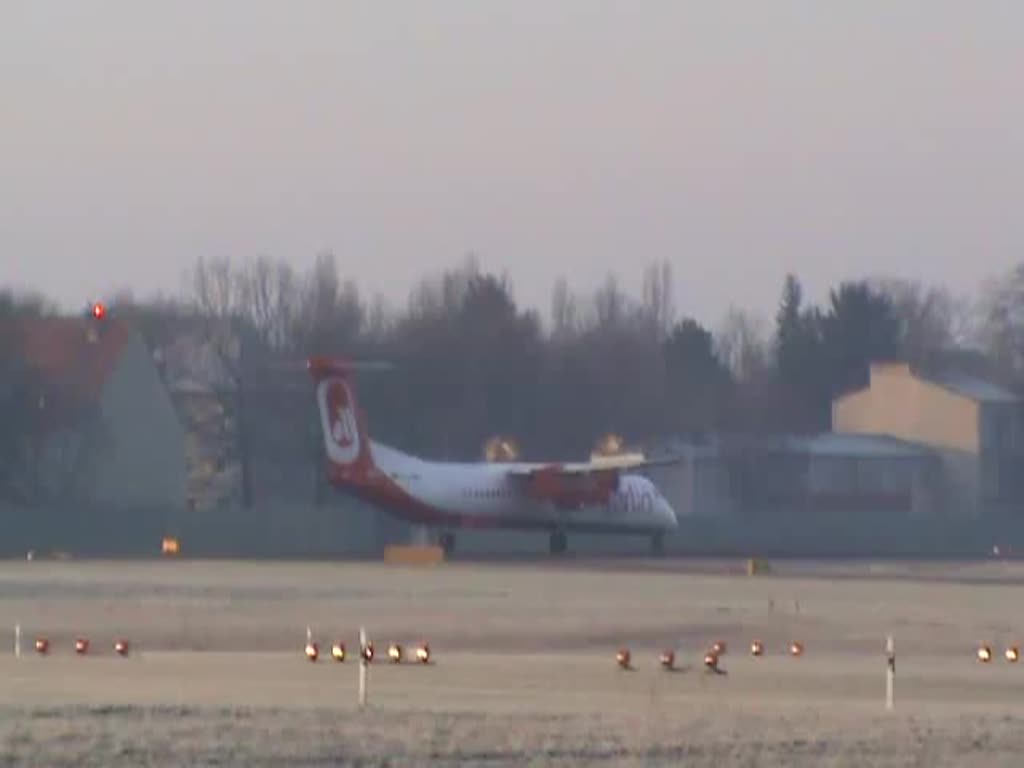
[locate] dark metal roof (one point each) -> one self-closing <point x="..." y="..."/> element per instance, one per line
<point x="971" y="387"/>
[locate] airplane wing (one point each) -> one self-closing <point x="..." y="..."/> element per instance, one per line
<point x="577" y="483"/>
<point x="604" y="465"/>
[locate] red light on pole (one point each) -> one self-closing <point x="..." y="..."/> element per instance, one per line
<point x="99" y="311"/>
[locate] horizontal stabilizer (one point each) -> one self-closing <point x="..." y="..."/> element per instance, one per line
<point x="321" y="367"/>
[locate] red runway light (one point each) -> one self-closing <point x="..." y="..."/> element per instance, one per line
<point x="42" y="645"/>
<point x="668" y="659"/>
<point x="82" y="646"/>
<point x="623" y="657"/>
<point x="99" y="310"/>
<point x="121" y="647"/>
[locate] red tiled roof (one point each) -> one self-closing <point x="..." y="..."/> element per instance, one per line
<point x="58" y="354"/>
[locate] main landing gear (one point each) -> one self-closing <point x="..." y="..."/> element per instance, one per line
<point x="557" y="543"/>
<point x="447" y="542"/>
<point x="657" y="543"/>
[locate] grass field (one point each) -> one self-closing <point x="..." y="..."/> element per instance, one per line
<point x="524" y="672"/>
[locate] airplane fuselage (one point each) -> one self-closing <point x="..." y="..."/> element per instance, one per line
<point x="482" y="495"/>
<point x="557" y="497"/>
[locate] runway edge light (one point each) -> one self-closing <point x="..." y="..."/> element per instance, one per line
<point x="338" y="652"/>
<point x="423" y="653"/>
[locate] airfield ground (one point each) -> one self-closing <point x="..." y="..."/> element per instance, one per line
<point x="525" y="670"/>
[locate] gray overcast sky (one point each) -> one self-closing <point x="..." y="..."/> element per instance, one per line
<point x="739" y="140"/>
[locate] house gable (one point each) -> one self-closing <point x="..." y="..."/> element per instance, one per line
<point x="900" y="403"/>
<point x="96" y="424"/>
<point x="144" y="463"/>
<point x="61" y="364"/>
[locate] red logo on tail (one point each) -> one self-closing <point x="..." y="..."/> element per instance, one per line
<point x="337" y="409"/>
<point x="343" y="429"/>
<point x="343" y="423"/>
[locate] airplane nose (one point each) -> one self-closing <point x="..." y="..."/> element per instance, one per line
<point x="667" y="512"/>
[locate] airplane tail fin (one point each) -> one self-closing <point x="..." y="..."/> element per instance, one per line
<point x="346" y="441"/>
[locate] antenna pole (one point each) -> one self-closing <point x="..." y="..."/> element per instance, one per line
<point x="363" y="664"/>
<point x="890" y="671"/>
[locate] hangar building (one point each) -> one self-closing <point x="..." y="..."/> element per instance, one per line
<point x="787" y="476"/>
<point x="974" y="426"/>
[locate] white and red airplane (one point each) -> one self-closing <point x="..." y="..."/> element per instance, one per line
<point x="559" y="497"/>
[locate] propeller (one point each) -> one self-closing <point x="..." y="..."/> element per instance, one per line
<point x="609" y="445"/>
<point x="501" y="449"/>
<point x="340" y="363"/>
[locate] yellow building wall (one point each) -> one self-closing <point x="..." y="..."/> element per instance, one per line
<point x="900" y="404"/>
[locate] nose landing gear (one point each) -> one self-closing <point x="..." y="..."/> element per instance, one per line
<point x="657" y="543"/>
<point x="447" y="542"/>
<point x="557" y="543"/>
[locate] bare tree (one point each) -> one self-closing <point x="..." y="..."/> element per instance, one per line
<point x="611" y="305"/>
<point x="931" y="319"/>
<point x="24" y="304"/>
<point x="212" y="286"/>
<point x="330" y="313"/>
<point x="442" y="295"/>
<point x="268" y="297"/>
<point x="742" y="344"/>
<point x="379" y="322"/>
<point x="564" y="319"/>
<point x="217" y="291"/>
<point x="659" y="298"/>
<point x="1001" y="322"/>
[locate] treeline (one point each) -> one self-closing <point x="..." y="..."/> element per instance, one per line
<point x="472" y="363"/>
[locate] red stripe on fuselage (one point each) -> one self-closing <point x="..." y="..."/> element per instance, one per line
<point x="372" y="485"/>
<point x="376" y="488"/>
<point x="552" y="484"/>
